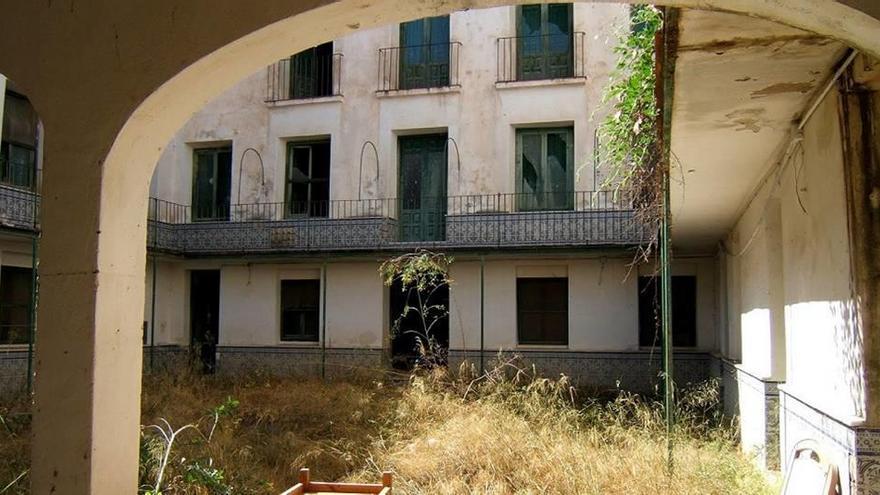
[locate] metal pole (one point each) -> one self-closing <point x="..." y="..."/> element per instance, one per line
<point x="482" y="314"/>
<point x="153" y="315"/>
<point x="666" y="316"/>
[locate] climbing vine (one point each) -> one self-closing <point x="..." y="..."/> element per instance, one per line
<point x="629" y="144"/>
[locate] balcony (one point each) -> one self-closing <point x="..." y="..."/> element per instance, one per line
<point x="19" y="208"/>
<point x="419" y="67"/>
<point x="540" y="57"/>
<point x="299" y="78"/>
<point x="579" y="219"/>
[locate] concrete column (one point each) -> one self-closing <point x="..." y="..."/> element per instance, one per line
<point x="88" y="350"/>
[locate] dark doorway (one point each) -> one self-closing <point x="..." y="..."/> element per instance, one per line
<point x="406" y="332"/>
<point x="684" y="311"/>
<point x="423" y="187"/>
<point x="204" y="311"/>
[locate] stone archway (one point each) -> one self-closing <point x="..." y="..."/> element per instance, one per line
<point x="113" y="83"/>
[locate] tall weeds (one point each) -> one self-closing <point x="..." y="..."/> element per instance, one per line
<point x="505" y="432"/>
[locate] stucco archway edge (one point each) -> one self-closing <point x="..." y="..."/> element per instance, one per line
<point x="113" y="82"/>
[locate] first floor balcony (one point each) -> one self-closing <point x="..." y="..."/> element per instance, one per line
<point x="512" y="220"/>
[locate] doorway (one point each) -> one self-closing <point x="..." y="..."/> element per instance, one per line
<point x="408" y="332"/>
<point x="204" y="304"/>
<point x="422" y="187"/>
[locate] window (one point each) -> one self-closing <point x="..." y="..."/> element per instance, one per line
<point x="424" y="53"/>
<point x="311" y="72"/>
<point x="307" y="190"/>
<point x="212" y="180"/>
<point x="299" y="310"/>
<point x="15" y="305"/>
<point x="542" y="311"/>
<point x="18" y="147"/>
<point x="545" y="48"/>
<point x="545" y="169"/>
<point x="684" y="311"/>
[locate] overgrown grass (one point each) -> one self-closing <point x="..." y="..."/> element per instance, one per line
<point x="501" y="433"/>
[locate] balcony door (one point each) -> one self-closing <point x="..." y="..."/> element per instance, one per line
<point x="311" y="72"/>
<point x="204" y="313"/>
<point x="545" y="47"/>
<point x="307" y="191"/>
<point x="422" y="187"/>
<point x="545" y="169"/>
<point x="424" y="53"/>
<point x="212" y="180"/>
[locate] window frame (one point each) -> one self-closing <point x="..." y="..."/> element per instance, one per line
<point x="522" y="203"/>
<point x="310" y="211"/>
<point x="216" y="206"/>
<point x="546" y="53"/>
<point x="305" y="337"/>
<point x="526" y="341"/>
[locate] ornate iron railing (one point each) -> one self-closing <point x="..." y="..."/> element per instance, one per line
<point x="19" y="208"/>
<point x="584" y="218"/>
<point x="289" y="79"/>
<point x="419" y="66"/>
<point x="530" y="58"/>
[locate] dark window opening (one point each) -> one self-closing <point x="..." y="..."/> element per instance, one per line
<point x="424" y="53"/>
<point x="405" y="352"/>
<point x="204" y="314"/>
<point x="300" y="303"/>
<point x="542" y="311"/>
<point x="212" y="179"/>
<point x="307" y="191"/>
<point x="684" y="311"/>
<point x="15" y="305"/>
<point x="545" y="169"/>
<point x="18" y="146"/>
<point x="545" y="41"/>
<point x="311" y="72"/>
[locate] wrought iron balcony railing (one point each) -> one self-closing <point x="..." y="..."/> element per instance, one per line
<point x="584" y="218"/>
<point x="419" y="66"/>
<point x="531" y="58"/>
<point x="295" y="78"/>
<point x="19" y="208"/>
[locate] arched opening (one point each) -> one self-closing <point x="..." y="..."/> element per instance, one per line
<point x="128" y="156"/>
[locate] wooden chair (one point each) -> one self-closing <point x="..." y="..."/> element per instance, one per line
<point x="307" y="486"/>
<point x="810" y="472"/>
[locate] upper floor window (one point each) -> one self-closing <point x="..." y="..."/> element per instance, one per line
<point x="300" y="310"/>
<point x="18" y="147"/>
<point x="542" y="311"/>
<point x="311" y="72"/>
<point x="424" y="53"/>
<point x="307" y="190"/>
<point x="212" y="179"/>
<point x="545" y="169"/>
<point x="545" y="41"/>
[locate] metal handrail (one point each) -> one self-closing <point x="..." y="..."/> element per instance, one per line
<point x="394" y="74"/>
<point x="512" y="66"/>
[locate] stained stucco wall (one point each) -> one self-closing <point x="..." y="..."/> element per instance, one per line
<point x="480" y="116"/>
<point x="788" y="280"/>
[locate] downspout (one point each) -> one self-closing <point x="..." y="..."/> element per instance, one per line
<point x="482" y="314"/>
<point x="665" y="44"/>
<point x="33" y="309"/>
<point x="324" y="321"/>
<point x="153" y="315"/>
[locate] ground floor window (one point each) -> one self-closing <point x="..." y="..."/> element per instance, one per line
<point x="684" y="311"/>
<point x="542" y="311"/>
<point x="300" y="305"/>
<point x="15" y="305"/>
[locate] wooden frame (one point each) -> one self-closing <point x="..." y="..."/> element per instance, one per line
<point x="306" y="486"/>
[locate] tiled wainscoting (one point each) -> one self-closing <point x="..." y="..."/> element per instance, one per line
<point x="13" y="371"/>
<point x="637" y="371"/>
<point x="303" y="361"/>
<point x="855" y="450"/>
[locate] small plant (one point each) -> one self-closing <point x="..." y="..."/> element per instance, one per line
<point x="421" y="274"/>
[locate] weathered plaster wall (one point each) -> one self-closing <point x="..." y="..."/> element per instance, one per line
<point x="480" y="116"/>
